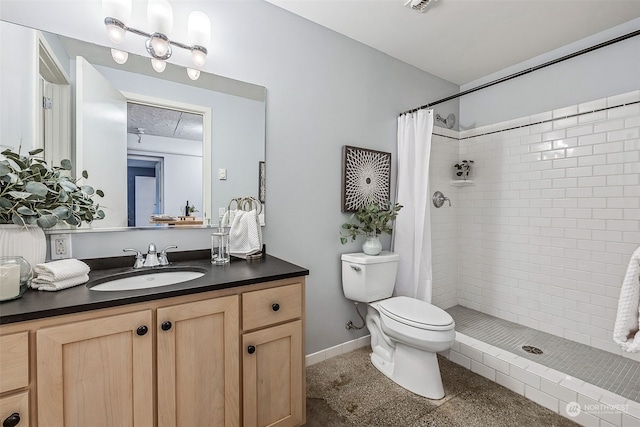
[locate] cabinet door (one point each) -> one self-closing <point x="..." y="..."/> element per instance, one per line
<point x="96" y="373"/>
<point x="198" y="364"/>
<point x="14" y="410"/>
<point x="273" y="376"/>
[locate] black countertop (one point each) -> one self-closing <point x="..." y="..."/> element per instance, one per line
<point x="40" y="304"/>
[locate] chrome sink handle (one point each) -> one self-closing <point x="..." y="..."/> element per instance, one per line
<point x="162" y="257"/>
<point x="152" y="256"/>
<point x="139" y="257"/>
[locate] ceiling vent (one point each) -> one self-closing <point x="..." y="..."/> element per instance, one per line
<point x="418" y="5"/>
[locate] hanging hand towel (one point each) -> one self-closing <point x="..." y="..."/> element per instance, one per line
<point x="227" y="218"/>
<point x="245" y="235"/>
<point x="626" y="331"/>
<point x="60" y="270"/>
<point x="59" y="284"/>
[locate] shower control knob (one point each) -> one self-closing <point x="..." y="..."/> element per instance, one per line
<point x="251" y="349"/>
<point x="275" y="307"/>
<point x="166" y="326"/>
<point x="142" y="330"/>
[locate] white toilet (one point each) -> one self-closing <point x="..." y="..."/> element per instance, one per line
<point x="405" y="332"/>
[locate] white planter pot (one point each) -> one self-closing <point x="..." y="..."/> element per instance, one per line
<point x="28" y="242"/>
<point x="372" y="245"/>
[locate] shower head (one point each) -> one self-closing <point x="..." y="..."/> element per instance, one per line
<point x="449" y="122"/>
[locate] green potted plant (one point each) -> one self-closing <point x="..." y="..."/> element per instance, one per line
<point x="370" y="220"/>
<point x="35" y="195"/>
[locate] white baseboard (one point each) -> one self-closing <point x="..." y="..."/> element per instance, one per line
<point x="336" y="350"/>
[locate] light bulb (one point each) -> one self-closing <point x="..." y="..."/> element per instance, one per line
<point x="160" y="46"/>
<point x="160" y="16"/>
<point x="193" y="74"/>
<point x="119" y="56"/>
<point x="119" y="10"/>
<point x="115" y="33"/>
<point x="199" y="29"/>
<point x="198" y="57"/>
<point x="158" y="65"/>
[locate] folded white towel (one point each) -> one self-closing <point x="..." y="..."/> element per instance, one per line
<point x="245" y="235"/>
<point x="626" y="331"/>
<point x="60" y="270"/>
<point x="59" y="284"/>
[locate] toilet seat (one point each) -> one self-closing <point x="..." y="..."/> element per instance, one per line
<point x="416" y="313"/>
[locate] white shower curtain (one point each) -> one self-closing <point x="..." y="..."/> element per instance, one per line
<point x="412" y="229"/>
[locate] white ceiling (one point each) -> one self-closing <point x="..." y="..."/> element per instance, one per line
<point x="464" y="40"/>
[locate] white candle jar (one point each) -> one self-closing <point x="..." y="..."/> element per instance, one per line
<point x="15" y="275"/>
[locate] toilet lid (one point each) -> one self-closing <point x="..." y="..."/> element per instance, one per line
<point x="414" y="312"/>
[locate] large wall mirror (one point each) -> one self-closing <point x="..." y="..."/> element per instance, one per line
<point x="155" y="143"/>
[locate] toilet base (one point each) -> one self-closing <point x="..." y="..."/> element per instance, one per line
<point x="415" y="370"/>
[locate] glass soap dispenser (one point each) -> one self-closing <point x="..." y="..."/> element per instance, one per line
<point x="220" y="246"/>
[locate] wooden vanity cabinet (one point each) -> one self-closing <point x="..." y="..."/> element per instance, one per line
<point x="169" y="363"/>
<point x="198" y="364"/>
<point x="97" y="372"/>
<point x="273" y="358"/>
<point x="14" y="379"/>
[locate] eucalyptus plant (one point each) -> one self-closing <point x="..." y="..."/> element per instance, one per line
<point x="372" y="220"/>
<point x="33" y="192"/>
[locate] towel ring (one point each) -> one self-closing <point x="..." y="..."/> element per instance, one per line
<point x="249" y="201"/>
<point x="245" y="204"/>
<point x="232" y="201"/>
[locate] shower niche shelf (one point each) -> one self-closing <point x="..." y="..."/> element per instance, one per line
<point x="462" y="182"/>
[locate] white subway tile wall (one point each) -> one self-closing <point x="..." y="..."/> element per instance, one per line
<point x="545" y="234"/>
<point x="444" y="224"/>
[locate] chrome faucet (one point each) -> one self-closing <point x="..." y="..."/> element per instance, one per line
<point x="139" y="257"/>
<point x="153" y="258"/>
<point x="162" y="256"/>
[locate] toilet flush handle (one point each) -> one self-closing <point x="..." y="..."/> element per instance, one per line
<point x="356" y="268"/>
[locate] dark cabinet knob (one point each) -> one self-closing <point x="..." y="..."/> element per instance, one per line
<point x="12" y="420"/>
<point x="142" y="330"/>
<point x="251" y="349"/>
<point x="275" y="307"/>
<point x="166" y="325"/>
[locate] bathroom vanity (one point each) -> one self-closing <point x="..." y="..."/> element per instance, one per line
<point x="226" y="349"/>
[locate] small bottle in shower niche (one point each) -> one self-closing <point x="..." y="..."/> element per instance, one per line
<point x="220" y="246"/>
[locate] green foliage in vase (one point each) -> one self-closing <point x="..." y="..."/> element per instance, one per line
<point x="370" y="220"/>
<point x="35" y="193"/>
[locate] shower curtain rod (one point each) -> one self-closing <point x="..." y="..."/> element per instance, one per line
<point x="527" y="71"/>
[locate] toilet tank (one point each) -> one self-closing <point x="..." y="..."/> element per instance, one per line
<point x="367" y="278"/>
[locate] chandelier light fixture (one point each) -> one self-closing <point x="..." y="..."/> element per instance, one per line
<point x="158" y="43"/>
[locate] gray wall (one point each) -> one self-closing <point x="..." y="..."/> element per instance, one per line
<point x="604" y="72"/>
<point x="324" y="91"/>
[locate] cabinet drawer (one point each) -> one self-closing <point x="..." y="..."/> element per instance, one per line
<point x="270" y="306"/>
<point x="14" y="361"/>
<point x="14" y="408"/>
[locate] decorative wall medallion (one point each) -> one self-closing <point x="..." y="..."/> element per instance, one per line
<point x="262" y="179"/>
<point x="366" y="177"/>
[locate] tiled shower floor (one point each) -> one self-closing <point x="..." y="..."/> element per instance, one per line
<point x="617" y="374"/>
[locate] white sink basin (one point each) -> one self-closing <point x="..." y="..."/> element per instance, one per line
<point x="149" y="280"/>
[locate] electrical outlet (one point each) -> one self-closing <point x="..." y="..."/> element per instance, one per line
<point x="60" y="246"/>
<point x="221" y="211"/>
